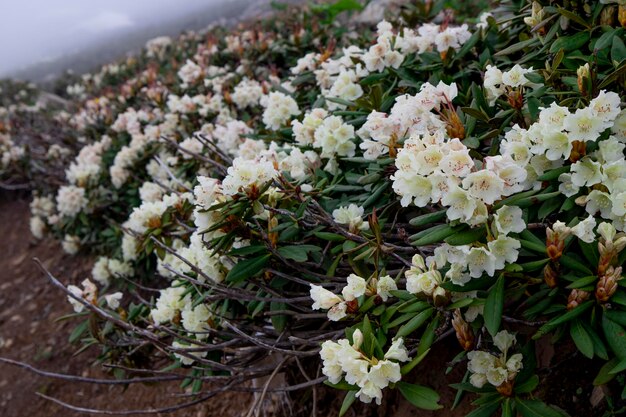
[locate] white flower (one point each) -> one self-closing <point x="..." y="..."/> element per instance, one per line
<point x="606" y="105"/>
<point x="508" y="219"/>
<point x="618" y="202"/>
<point x="355" y="288"/>
<point x="598" y="200"/>
<point x="584" y="125"/>
<point x="322" y="298"/>
<point x="516" y="76"/>
<point x="330" y="356"/>
<point x="566" y="186"/>
<point x="484" y="185"/>
<point x="497" y="376"/>
<point x="514" y="364"/>
<point x="185" y="356"/>
<point x="384" y="286"/>
<point x="71" y="200"/>
<point x="37" y="227"/>
<point x="412" y="188"/>
<point x="457" y="274"/>
<point x="504" y="340"/>
<point x="584" y="230"/>
<point x="422" y="282"/>
<point x="478" y="380"/>
<point x="586" y="171"/>
<point x="397" y="351"/>
<point x="558" y="145"/>
<point x="247" y="93"/>
<point x="384" y="372"/>
<point x="607" y="231"/>
<point x="195" y="320"/>
<point x="190" y="72"/>
<point x="71" y="244"/>
<point x="460" y="204"/>
<point x="169" y="303"/>
<point x="352" y="216"/>
<point x="493" y="83"/>
<point x="480" y="362"/>
<point x="480" y="260"/>
<point x="505" y="249"/>
<point x="113" y="300"/>
<point x="279" y="108"/>
<point x="334" y="136"/>
<point x="245" y="175"/>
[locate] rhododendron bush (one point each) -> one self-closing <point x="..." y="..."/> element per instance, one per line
<point x="342" y="198"/>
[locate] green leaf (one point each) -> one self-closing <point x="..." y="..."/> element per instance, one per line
<point x="581" y="338"/>
<point x="570" y="43"/>
<point x="552" y="324"/>
<point x="621" y="366"/>
<point x="435" y="234"/>
<point x="429" y="218"/>
<point x="420" y="396"/>
<point x="494" y="306"/>
<point x="466" y="237"/>
<point x="618" y="50"/>
<point x="517" y="47"/>
<point x="414" y="362"/>
<point x="486" y="410"/>
<point x="604" y="375"/>
<point x="428" y="337"/>
<point x="332" y="237"/>
<point x="582" y="282"/>
<point x="279" y="321"/>
<point x="575" y="265"/>
<point x="615" y="336"/>
<point x="528" y="386"/>
<point x="507" y="408"/>
<point x="347" y="402"/>
<point x="247" y="268"/>
<point x="295" y="253"/>
<point x="536" y="408"/>
<point x="574" y="17"/>
<point x="78" y="331"/>
<point x="415" y="323"/>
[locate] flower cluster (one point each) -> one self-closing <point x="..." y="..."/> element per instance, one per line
<point x="339" y="306"/>
<point x="497" y="370"/>
<point x="370" y="374"/>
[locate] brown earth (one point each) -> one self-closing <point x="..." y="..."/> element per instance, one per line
<point x="29" y="332"/>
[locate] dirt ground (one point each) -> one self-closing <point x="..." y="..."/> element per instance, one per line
<point x="29" y="306"/>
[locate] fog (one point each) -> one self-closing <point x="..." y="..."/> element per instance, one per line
<point x="38" y="33"/>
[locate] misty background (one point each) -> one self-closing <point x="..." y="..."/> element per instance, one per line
<point x="41" y="39"/>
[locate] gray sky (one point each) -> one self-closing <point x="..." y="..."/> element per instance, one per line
<point x="32" y="31"/>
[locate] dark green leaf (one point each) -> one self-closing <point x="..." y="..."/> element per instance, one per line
<point x="494" y="306"/>
<point x="420" y="396"/>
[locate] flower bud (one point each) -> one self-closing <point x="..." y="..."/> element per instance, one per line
<point x="576" y="297"/>
<point x="357" y="339"/>
<point x="583" y="74"/>
<point x="607" y="285"/>
<point x="550" y="275"/>
<point x="620" y="244"/>
<point x="621" y="15"/>
<point x="607" y="16"/>
<point x="506" y="388"/>
<point x="464" y="333"/>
